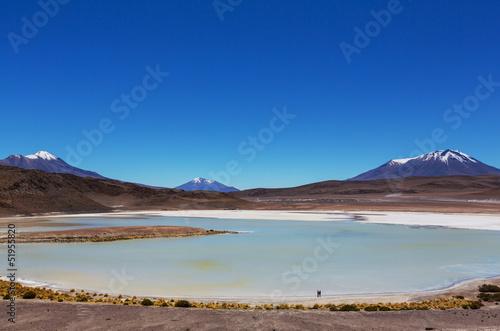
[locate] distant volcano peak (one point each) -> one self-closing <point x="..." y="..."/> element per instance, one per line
<point x="43" y="160"/>
<point x="202" y="184"/>
<point x="439" y="163"/>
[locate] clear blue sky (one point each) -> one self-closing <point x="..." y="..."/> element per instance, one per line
<point x="226" y="77"/>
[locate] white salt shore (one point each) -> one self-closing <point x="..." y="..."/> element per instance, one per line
<point x="459" y="220"/>
<point x="450" y="220"/>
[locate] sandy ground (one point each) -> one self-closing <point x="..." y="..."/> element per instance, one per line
<point x="38" y="315"/>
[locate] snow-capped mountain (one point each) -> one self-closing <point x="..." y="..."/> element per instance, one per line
<point x="202" y="184"/>
<point x="440" y="163"/>
<point x="47" y="162"/>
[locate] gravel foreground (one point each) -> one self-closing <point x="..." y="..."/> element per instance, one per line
<point x="40" y="315"/>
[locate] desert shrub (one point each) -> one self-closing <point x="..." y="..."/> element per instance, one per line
<point x="423" y="308"/>
<point x="6" y="297"/>
<point x="298" y="307"/>
<point x="475" y="305"/>
<point x="182" y="304"/>
<point x="483" y="296"/>
<point x="349" y="308"/>
<point x="316" y="306"/>
<point x="489" y="288"/>
<point x="282" y="306"/>
<point x="460" y="297"/>
<point x="125" y="304"/>
<point x="29" y="295"/>
<point x="384" y="308"/>
<point x="489" y="297"/>
<point x="371" y="308"/>
<point x="60" y="300"/>
<point x="146" y="302"/>
<point x="164" y="304"/>
<point x="333" y="308"/>
<point x="472" y="305"/>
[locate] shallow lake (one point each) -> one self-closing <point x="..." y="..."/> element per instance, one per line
<point x="269" y="259"/>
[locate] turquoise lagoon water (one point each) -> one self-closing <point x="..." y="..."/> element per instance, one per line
<point x="270" y="258"/>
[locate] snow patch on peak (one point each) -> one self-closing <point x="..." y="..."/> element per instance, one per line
<point x="202" y="180"/>
<point x="400" y="161"/>
<point x="42" y="155"/>
<point x="447" y="155"/>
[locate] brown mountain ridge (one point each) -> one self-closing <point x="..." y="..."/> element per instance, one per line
<point x="29" y="192"/>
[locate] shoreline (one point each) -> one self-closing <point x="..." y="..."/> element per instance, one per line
<point x="467" y="288"/>
<point x="466" y="221"/>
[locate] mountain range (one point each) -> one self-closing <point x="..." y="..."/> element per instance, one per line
<point x="202" y="184"/>
<point x="47" y="162"/>
<point x="25" y="192"/>
<point x="50" y="163"/>
<point x="440" y="163"/>
<point x="438" y="181"/>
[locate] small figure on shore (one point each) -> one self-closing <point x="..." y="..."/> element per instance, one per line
<point x="318" y="294"/>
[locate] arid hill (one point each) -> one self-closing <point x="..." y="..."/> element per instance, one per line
<point x="34" y="191"/>
<point x="433" y="194"/>
<point x="445" y="185"/>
